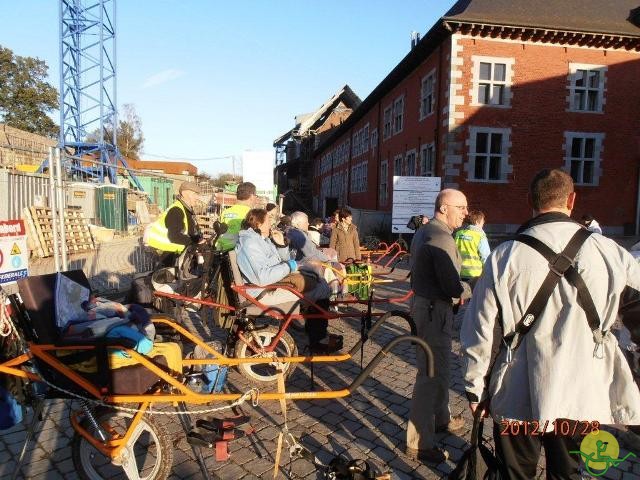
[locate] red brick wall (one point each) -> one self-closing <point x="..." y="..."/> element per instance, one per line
<point x="538" y="118"/>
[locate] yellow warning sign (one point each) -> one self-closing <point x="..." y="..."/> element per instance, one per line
<point x="15" y="250"/>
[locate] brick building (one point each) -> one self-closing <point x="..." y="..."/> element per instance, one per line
<point x="495" y="91"/>
<point x="294" y="149"/>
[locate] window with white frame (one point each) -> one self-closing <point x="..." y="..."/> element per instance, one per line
<point x="397" y="165"/>
<point x="374" y="139"/>
<point x="387" y="118"/>
<point x="427" y="95"/>
<point x="488" y="153"/>
<point x="359" y="178"/>
<point x="365" y="138"/>
<point x="410" y="162"/>
<point x="428" y="160"/>
<point x="583" y="156"/>
<point x="492" y="81"/>
<point x="398" y="114"/>
<point x="586" y="86"/>
<point x="383" y="191"/>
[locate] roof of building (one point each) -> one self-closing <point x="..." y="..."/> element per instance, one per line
<point x="585" y="16"/>
<point x="173" y="168"/>
<point x="617" y="17"/>
<point x="310" y="120"/>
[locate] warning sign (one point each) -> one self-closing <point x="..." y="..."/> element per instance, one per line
<point x="14" y="256"/>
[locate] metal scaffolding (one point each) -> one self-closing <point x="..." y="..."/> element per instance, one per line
<point x="88" y="101"/>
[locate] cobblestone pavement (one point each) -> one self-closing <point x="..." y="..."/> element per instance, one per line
<point x="368" y="424"/>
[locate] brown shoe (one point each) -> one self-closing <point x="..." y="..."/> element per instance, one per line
<point x="434" y="456"/>
<point x="456" y="423"/>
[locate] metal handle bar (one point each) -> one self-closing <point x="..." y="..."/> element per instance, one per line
<point x="383" y="353"/>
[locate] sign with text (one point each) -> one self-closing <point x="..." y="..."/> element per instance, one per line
<point x="14" y="256"/>
<point x="412" y="196"/>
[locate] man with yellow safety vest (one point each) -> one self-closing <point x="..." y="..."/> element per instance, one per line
<point x="235" y="214"/>
<point x="176" y="227"/>
<point x="473" y="246"/>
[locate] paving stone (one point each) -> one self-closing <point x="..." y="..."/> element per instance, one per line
<point x="369" y="424"/>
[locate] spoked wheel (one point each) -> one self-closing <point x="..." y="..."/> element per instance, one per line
<point x="265" y="373"/>
<point x="148" y="455"/>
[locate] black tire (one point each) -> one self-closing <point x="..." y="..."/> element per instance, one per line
<point x="152" y="444"/>
<point x="265" y="374"/>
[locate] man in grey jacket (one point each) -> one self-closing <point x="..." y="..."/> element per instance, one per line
<point x="435" y="279"/>
<point x="563" y="371"/>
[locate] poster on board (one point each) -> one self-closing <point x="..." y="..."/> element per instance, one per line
<point x="14" y="256"/>
<point x="412" y="196"/>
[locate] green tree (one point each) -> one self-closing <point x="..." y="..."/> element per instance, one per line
<point x="25" y="95"/>
<point x="223" y="178"/>
<point x="130" y="138"/>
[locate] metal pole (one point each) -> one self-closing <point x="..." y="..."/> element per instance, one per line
<point x="61" y="219"/>
<point x="52" y="206"/>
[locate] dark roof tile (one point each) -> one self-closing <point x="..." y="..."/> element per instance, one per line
<point x="585" y="16"/>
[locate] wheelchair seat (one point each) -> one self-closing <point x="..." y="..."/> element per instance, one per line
<point x="36" y="317"/>
<point x="266" y="298"/>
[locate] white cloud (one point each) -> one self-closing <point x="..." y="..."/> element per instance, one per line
<point x="162" y="77"/>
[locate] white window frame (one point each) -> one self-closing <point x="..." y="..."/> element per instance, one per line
<point x="365" y="138"/>
<point x="506" y="84"/>
<point x="374" y="139"/>
<point x="411" y="155"/>
<point x="383" y="190"/>
<point x="359" y="177"/>
<point x="430" y="106"/>
<point x="598" y="149"/>
<point x="397" y="160"/>
<point x="424" y="149"/>
<point x="387" y="131"/>
<point x="398" y="115"/>
<point x="574" y="68"/>
<point x="504" y="154"/>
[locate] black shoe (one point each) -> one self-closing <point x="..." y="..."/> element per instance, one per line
<point x="330" y="344"/>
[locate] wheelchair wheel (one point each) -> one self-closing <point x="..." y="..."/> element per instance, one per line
<point x="150" y="455"/>
<point x="266" y="372"/>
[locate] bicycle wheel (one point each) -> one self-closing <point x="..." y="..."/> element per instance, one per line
<point x="148" y="456"/>
<point x="265" y="373"/>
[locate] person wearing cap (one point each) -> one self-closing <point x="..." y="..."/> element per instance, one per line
<point x="176" y="227"/>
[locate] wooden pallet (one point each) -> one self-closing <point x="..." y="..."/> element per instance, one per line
<point x="205" y="223"/>
<point x="77" y="234"/>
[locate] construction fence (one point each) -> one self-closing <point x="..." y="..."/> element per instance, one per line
<point x="76" y="221"/>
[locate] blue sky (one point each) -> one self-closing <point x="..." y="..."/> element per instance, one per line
<point x="213" y="78"/>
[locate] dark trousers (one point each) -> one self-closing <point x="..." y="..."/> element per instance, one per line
<point x="520" y="454"/>
<point x="316" y="328"/>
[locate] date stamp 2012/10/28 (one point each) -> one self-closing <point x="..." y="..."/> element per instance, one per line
<point x="556" y="427"/>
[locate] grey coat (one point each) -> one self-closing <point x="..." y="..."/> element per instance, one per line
<point x="554" y="373"/>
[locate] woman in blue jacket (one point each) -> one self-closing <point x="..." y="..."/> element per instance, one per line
<point x="263" y="259"/>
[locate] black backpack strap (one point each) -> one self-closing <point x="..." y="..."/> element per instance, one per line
<point x="559" y="265"/>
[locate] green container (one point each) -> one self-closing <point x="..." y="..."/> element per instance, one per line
<point x="111" y="206"/>
<point x="160" y="190"/>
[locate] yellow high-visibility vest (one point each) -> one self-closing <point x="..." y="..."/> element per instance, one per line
<point x="157" y="235"/>
<point x="468" y="242"/>
<point x="233" y="217"/>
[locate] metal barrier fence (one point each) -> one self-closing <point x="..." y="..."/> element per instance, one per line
<point x="74" y="222"/>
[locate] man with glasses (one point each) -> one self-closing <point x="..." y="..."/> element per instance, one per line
<point x="435" y="279"/>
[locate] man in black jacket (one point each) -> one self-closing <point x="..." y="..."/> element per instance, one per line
<point x="435" y="279"/>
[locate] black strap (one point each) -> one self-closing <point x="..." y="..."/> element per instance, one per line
<point x="560" y="265"/>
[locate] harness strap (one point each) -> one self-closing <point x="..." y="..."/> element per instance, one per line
<point x="560" y="265"/>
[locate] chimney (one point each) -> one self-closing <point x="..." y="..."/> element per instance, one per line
<point x="415" y="39"/>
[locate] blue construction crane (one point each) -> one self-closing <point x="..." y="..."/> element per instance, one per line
<point x="88" y="101"/>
